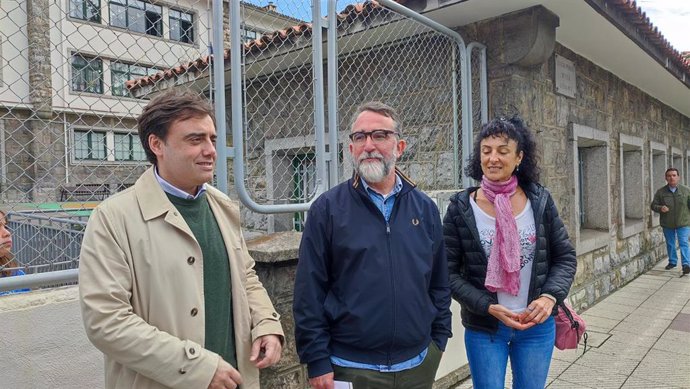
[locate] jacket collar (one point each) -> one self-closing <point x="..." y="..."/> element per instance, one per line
<point x="151" y="197"/>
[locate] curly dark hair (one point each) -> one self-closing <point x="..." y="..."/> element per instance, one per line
<point x="513" y="128"/>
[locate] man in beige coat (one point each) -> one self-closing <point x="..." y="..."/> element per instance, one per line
<point x="168" y="289"/>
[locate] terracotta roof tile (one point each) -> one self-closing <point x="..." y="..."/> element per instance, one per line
<point x="652" y="33"/>
<point x="362" y="10"/>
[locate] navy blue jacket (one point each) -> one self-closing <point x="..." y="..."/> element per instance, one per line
<point x="367" y="290"/>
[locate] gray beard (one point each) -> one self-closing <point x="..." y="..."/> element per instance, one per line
<point x="376" y="171"/>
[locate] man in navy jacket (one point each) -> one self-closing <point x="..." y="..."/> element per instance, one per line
<point x="372" y="300"/>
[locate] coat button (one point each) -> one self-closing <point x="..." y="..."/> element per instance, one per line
<point x="274" y="314"/>
<point x="193" y="313"/>
<point x="192" y="350"/>
<point x="182" y="370"/>
<point x="191" y="260"/>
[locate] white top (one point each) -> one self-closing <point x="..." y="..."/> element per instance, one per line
<point x="528" y="241"/>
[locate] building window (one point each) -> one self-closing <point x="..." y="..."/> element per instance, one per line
<point x="87" y="74"/>
<point x="249" y="35"/>
<point x="632" y="198"/>
<point x="687" y="168"/>
<point x="121" y="72"/>
<point x="136" y="15"/>
<point x="181" y="26"/>
<point x="658" y="164"/>
<point x="592" y="189"/>
<point x="89" y="10"/>
<point x="107" y="145"/>
<point x="128" y="147"/>
<point x="304" y="185"/>
<point x="677" y="160"/>
<point x="90" y="145"/>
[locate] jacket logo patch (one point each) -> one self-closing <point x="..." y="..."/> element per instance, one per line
<point x="415" y="221"/>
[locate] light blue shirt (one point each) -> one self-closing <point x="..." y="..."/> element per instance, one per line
<point x="175" y="191"/>
<point x="385" y="205"/>
<point x="673" y="190"/>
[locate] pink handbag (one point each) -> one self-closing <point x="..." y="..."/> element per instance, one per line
<point x="570" y="328"/>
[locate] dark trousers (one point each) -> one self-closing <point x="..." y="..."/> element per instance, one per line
<point x="420" y="377"/>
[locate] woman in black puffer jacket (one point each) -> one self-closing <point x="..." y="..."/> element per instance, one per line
<point x="510" y="259"/>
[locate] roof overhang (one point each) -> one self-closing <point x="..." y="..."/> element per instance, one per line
<point x="592" y="32"/>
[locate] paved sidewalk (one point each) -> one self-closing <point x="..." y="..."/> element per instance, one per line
<point x="639" y="337"/>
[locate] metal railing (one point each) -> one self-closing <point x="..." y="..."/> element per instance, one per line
<point x="46" y="247"/>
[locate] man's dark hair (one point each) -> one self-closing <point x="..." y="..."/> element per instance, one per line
<point x="672" y="169"/>
<point x="381" y="109"/>
<point x="513" y="128"/>
<point x="165" y="109"/>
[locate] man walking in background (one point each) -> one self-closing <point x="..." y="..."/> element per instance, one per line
<point x="672" y="202"/>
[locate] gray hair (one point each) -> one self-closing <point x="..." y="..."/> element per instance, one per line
<point x="381" y="109"/>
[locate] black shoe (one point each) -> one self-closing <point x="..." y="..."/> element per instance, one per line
<point x="669" y="266"/>
<point x="686" y="269"/>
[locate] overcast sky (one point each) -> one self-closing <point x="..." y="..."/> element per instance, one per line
<point x="673" y="19"/>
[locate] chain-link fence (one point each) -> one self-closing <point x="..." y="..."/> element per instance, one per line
<point x="380" y="55"/>
<point x="68" y="112"/>
<point x="67" y="122"/>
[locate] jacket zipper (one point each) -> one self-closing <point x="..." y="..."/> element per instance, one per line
<point x="390" y="261"/>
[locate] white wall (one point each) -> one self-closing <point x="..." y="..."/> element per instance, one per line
<point x="43" y="342"/>
<point x="454" y="357"/>
<point x="14" y="64"/>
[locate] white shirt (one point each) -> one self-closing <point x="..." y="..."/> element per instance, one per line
<point x="528" y="241"/>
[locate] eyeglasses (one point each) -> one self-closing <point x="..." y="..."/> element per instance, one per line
<point x="377" y="136"/>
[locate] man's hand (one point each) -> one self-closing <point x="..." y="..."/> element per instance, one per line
<point x="266" y="351"/>
<point x="322" y="382"/>
<point x="508" y="317"/>
<point x="664" y="209"/>
<point x="226" y="377"/>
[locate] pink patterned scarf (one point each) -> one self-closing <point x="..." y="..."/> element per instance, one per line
<point x="503" y="270"/>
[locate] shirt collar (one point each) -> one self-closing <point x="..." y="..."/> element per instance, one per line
<point x="175" y="191"/>
<point x="396" y="188"/>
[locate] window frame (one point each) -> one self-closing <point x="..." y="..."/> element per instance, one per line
<point x="114" y="69"/>
<point x="96" y="4"/>
<point x="89" y="62"/>
<point x="90" y="147"/>
<point x="132" y="150"/>
<point x="630" y="225"/>
<point x="111" y="145"/>
<point x="657" y="175"/>
<point x="584" y="141"/>
<point x="133" y="6"/>
<point x="184" y="32"/>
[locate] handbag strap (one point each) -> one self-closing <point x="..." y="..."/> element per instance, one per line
<point x="569" y="315"/>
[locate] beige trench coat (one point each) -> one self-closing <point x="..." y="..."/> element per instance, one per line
<point x="141" y="288"/>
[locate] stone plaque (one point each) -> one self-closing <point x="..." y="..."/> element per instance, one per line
<point x="565" y="77"/>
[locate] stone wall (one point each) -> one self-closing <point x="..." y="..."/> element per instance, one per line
<point x="606" y="103"/>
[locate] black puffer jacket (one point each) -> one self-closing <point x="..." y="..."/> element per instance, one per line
<point x="554" y="261"/>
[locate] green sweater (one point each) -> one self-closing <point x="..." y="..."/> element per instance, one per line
<point x="220" y="336"/>
<point x="678" y="204"/>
